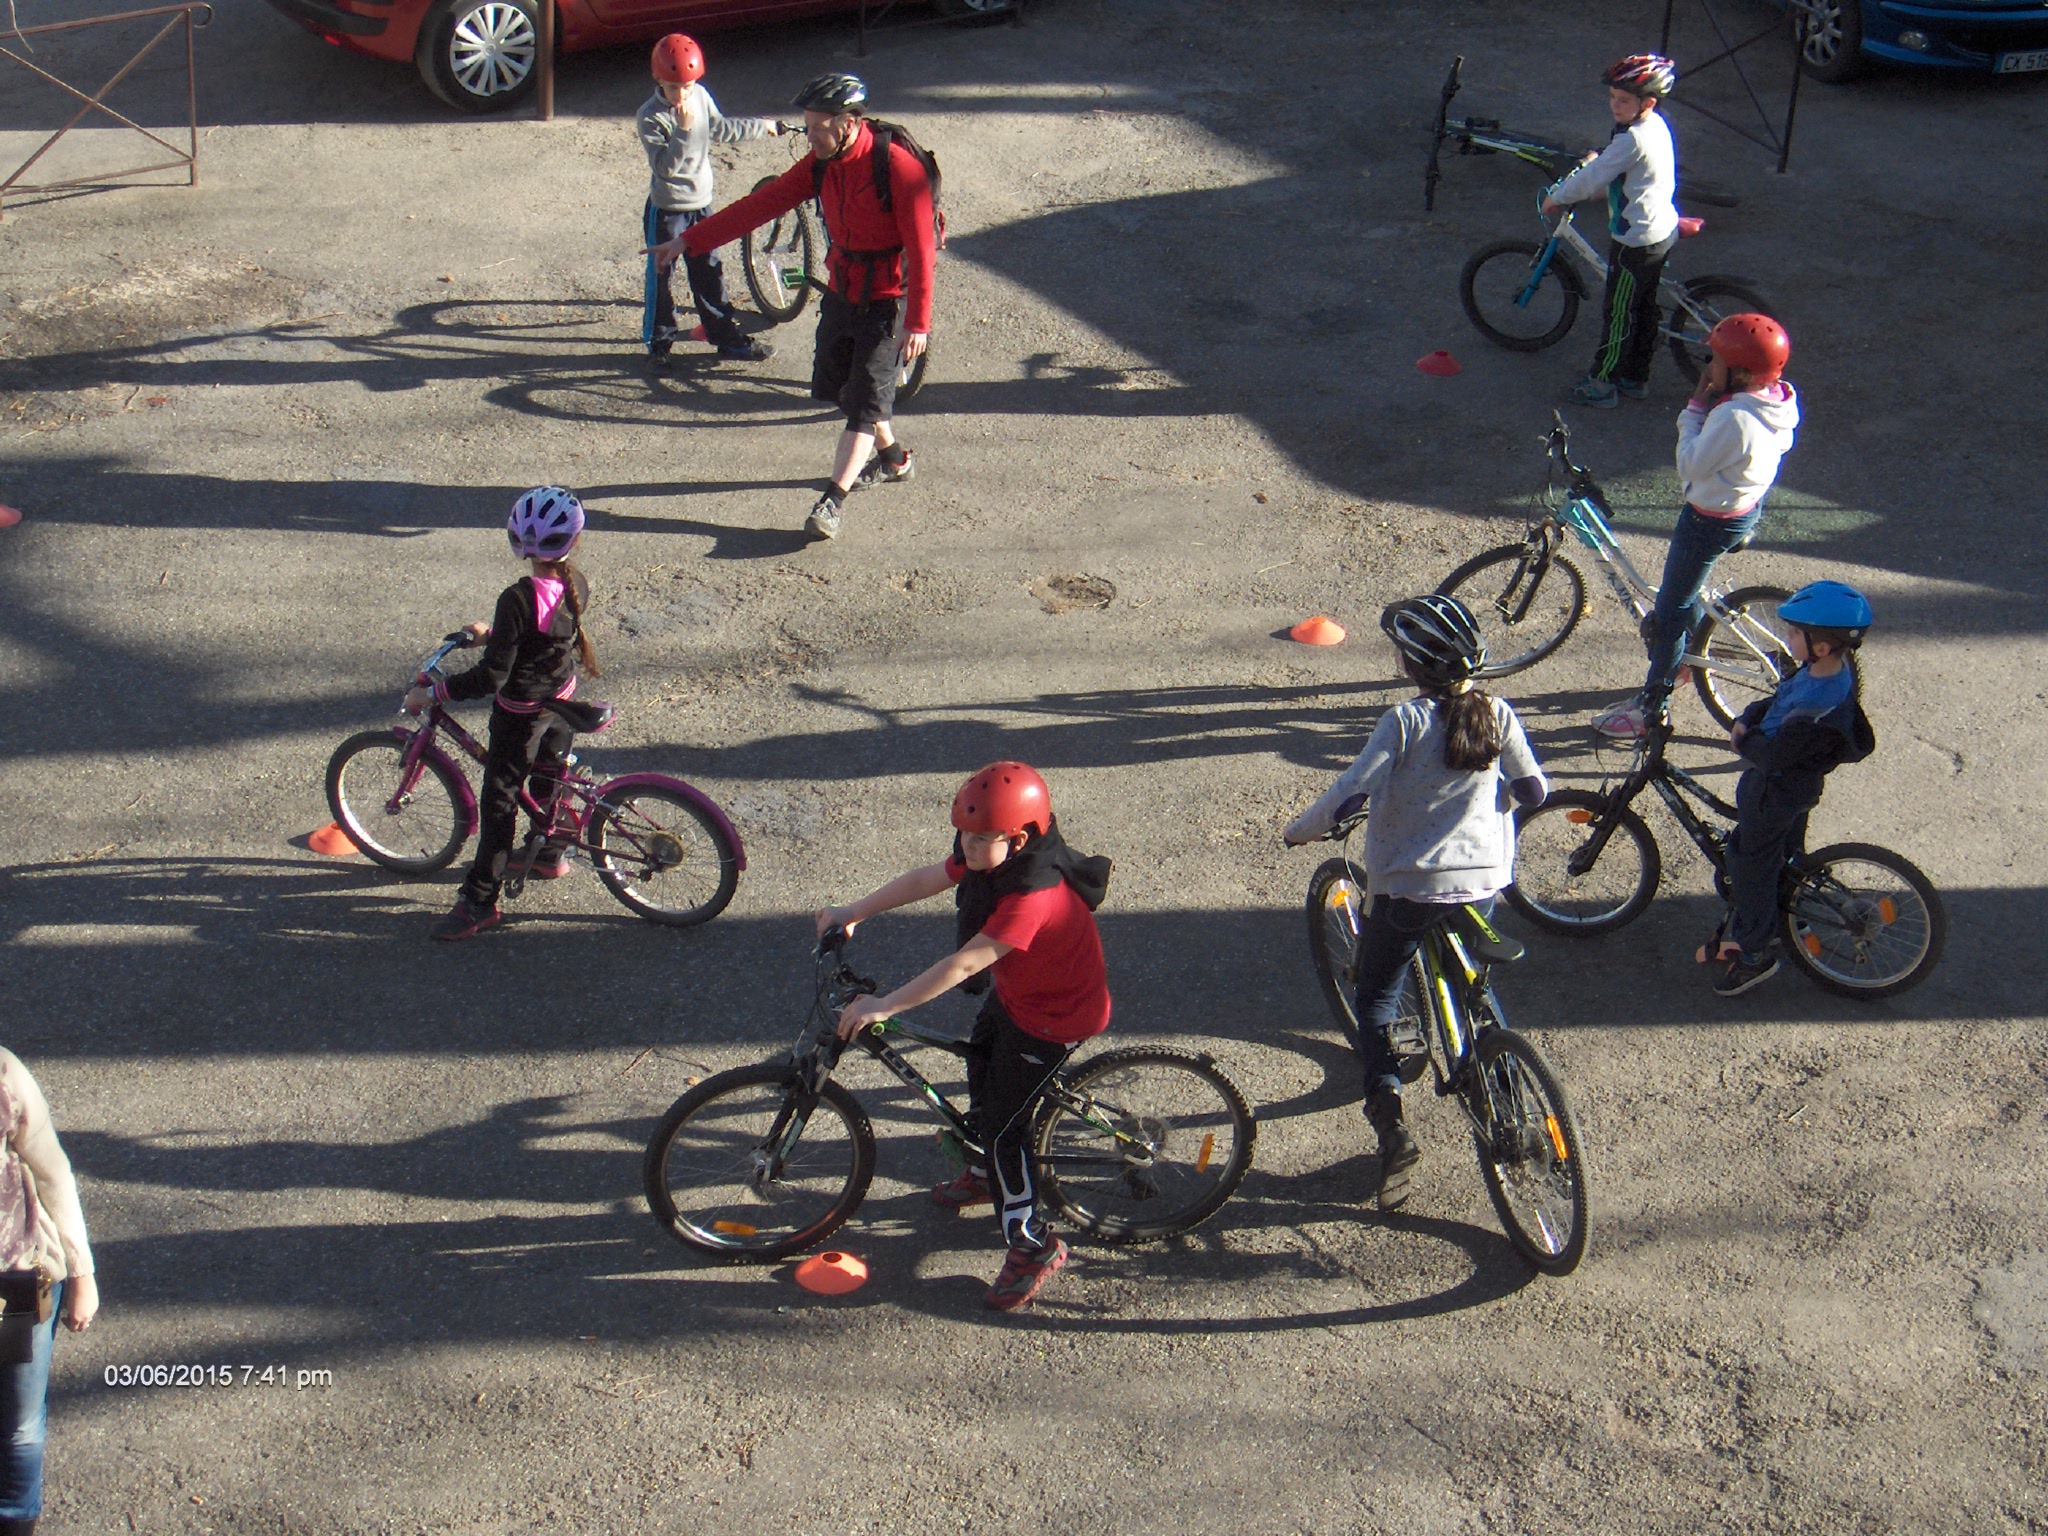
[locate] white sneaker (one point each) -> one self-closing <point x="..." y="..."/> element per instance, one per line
<point x="1626" y="723"/>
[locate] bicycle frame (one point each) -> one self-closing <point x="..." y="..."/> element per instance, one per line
<point x="1485" y="136"/>
<point x="1672" y="296"/>
<point x="1676" y="788"/>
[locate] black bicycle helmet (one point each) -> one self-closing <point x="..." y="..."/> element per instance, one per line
<point x="832" y="93"/>
<point x="1438" y="636"/>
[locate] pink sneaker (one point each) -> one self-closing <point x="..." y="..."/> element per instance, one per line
<point x="1625" y="723"/>
<point x="1025" y="1272"/>
<point x="963" y="1190"/>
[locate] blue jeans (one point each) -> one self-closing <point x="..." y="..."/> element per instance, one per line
<point x="707" y="286"/>
<point x="1387" y="941"/>
<point x="25" y="1417"/>
<point x="1696" y="543"/>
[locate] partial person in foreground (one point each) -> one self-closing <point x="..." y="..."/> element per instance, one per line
<point x="1443" y="773"/>
<point x="46" y="1272"/>
<point x="1026" y="915"/>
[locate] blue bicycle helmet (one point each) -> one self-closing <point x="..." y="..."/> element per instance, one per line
<point x="1834" y="607"/>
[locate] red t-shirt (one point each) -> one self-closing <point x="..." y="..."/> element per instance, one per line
<point x="1052" y="983"/>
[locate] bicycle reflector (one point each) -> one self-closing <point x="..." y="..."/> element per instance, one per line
<point x="1208" y="1150"/>
<point x="1578" y="817"/>
<point x="735" y="1229"/>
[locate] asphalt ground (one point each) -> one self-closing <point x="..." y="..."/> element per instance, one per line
<point x="262" y="433"/>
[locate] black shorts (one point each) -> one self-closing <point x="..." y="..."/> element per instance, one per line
<point x="855" y="367"/>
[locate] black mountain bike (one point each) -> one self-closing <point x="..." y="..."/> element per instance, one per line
<point x="1451" y="1024"/>
<point x="762" y="1162"/>
<point x="1860" y="920"/>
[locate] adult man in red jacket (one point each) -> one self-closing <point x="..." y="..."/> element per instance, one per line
<point x="875" y="317"/>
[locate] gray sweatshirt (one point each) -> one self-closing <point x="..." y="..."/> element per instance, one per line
<point x="679" y="158"/>
<point x="1434" y="832"/>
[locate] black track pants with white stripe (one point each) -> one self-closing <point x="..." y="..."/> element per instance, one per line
<point x="1005" y="1070"/>
<point x="1628" y="313"/>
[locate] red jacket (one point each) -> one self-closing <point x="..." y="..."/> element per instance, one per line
<point x="856" y="221"/>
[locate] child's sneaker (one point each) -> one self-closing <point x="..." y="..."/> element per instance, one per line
<point x="965" y="1189"/>
<point x="466" y="922"/>
<point x="1626" y="722"/>
<point x="551" y="863"/>
<point x="1632" y="389"/>
<point x="1398" y="1152"/>
<point x="880" y="471"/>
<point x="823" y="523"/>
<point x="1742" y="974"/>
<point x="1596" y="393"/>
<point x="747" y="351"/>
<point x="1024" y="1274"/>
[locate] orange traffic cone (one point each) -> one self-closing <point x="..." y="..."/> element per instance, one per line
<point x="1320" y="630"/>
<point x="697" y="333"/>
<point x="8" y="517"/>
<point x="832" y="1274"/>
<point x="332" y="841"/>
<point x="1441" y="364"/>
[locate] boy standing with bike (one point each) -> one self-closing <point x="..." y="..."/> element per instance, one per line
<point x="1791" y="741"/>
<point x="1638" y="170"/>
<point x="1026" y="906"/>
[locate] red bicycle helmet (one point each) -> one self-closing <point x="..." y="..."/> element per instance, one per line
<point x="678" y="60"/>
<point x="1643" y="74"/>
<point x="1755" y="343"/>
<point x="1004" y="799"/>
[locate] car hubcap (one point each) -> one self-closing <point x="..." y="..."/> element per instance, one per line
<point x="492" y="49"/>
<point x="1823" y="34"/>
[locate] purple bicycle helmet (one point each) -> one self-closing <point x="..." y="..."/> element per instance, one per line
<point x="544" y="523"/>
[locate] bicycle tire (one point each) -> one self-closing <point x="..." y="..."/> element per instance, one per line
<point x="1181" y="1106"/>
<point x="1738" y="670"/>
<point x="1557" y="901"/>
<point x="1551" y="614"/>
<point x="716" y="1202"/>
<point x="1718" y="297"/>
<point x="1856" y="939"/>
<point x="1335" y="910"/>
<point x="1534" y="1170"/>
<point x="1493" y="281"/>
<point x="914" y="380"/>
<point x="363" y="777"/>
<point x="684" y="849"/>
<point x="780" y="260"/>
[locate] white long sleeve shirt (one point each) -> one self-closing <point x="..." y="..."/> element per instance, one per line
<point x="42" y="1224"/>
<point x="1728" y="457"/>
<point x="1640" y="166"/>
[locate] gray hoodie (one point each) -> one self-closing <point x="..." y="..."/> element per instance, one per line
<point x="679" y="158"/>
<point x="1728" y="457"/>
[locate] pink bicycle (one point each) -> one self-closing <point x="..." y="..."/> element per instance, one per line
<point x="661" y="846"/>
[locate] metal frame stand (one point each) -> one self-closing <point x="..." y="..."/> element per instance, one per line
<point x="180" y="15"/>
<point x="877" y="10"/>
<point x="1774" y="135"/>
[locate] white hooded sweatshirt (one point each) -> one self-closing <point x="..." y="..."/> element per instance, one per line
<point x="1728" y="457"/>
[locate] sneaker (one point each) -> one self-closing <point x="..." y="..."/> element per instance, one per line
<point x="1596" y="393"/>
<point x="880" y="471"/>
<point x="1626" y="722"/>
<point x="823" y="523"/>
<point x="1024" y="1274"/>
<point x="1398" y="1152"/>
<point x="466" y="922"/>
<point x="551" y="863"/>
<point x="747" y="351"/>
<point x="1631" y="389"/>
<point x="1744" y="973"/>
<point x="965" y="1189"/>
<point x="658" y="360"/>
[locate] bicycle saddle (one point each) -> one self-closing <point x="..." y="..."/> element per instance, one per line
<point x="1487" y="944"/>
<point x="583" y="717"/>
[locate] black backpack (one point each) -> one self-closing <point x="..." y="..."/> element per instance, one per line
<point x="887" y="133"/>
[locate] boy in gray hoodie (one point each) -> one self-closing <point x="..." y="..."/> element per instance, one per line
<point x="1732" y="435"/>
<point x="678" y="125"/>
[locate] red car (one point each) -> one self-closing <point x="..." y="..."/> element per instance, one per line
<point x="478" y="54"/>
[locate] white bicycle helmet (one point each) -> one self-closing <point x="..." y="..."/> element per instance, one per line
<point x="544" y="523"/>
<point x="1438" y="636"/>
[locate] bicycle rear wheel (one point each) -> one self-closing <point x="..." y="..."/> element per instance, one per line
<point x="1745" y="659"/>
<point x="411" y="823"/>
<point x="1336" y="910"/>
<point x="1714" y="299"/>
<point x="663" y="855"/>
<point x="1530" y="1154"/>
<point x="1523" y="615"/>
<point x="714" y="1184"/>
<point x="1863" y="921"/>
<point x="1150" y="1143"/>
<point x="1621" y="882"/>
<point x="779" y="259"/>
<point x="1499" y="299"/>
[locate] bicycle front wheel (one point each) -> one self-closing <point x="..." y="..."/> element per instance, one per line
<point x="779" y="258"/>
<point x="1708" y="301"/>
<point x="1620" y="883"/>
<point x="1148" y="1142"/>
<point x="1336" y="909"/>
<point x="663" y="855"/>
<point x="1863" y="922"/>
<point x="1744" y="659"/>
<point x="1513" y="306"/>
<point x="914" y="380"/>
<point x="410" y="820"/>
<point x="1524" y="614"/>
<point x="724" y="1176"/>
<point x="1529" y="1153"/>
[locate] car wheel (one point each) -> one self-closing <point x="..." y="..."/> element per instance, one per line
<point x="479" y="55"/>
<point x="1831" y="38"/>
<point x="966" y="10"/>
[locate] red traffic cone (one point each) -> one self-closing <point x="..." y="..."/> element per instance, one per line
<point x="1441" y="364"/>
<point x="832" y="1274"/>
<point x="332" y="841"/>
<point x="1320" y="630"/>
<point x="8" y="517"/>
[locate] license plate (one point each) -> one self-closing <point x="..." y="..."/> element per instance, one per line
<point x="2021" y="63"/>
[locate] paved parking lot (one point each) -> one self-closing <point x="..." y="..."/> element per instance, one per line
<point x="262" y="433"/>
